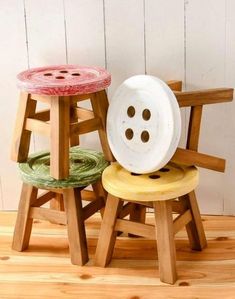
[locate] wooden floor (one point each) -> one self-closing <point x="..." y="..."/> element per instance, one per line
<point x="44" y="270"/>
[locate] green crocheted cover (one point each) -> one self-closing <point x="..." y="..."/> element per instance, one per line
<point x="86" y="167"/>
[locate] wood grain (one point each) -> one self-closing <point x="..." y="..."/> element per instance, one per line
<point x="108" y="234"/>
<point x="76" y="227"/>
<point x="45" y="271"/>
<point x="175" y="85"/>
<point x="24" y="223"/>
<point x="188" y="157"/>
<point x="99" y="102"/>
<point x="194" y="128"/>
<point x="60" y="133"/>
<point x="203" y="97"/>
<point x="21" y="136"/>
<point x="165" y="241"/>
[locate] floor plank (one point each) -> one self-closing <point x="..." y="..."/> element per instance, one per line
<point x="45" y="271"/>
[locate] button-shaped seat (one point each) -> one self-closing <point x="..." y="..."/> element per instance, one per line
<point x="63" y="80"/>
<point x="143" y="124"/>
<point x="172" y="181"/>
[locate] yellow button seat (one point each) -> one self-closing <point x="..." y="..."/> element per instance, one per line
<point x="170" y="182"/>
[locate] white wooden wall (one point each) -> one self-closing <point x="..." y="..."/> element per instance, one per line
<point x="192" y="40"/>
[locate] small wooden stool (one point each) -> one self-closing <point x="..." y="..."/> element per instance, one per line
<point x="86" y="167"/>
<point x="166" y="190"/>
<point x="61" y="87"/>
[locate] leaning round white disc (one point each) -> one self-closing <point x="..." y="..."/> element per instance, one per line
<point x="143" y="124"/>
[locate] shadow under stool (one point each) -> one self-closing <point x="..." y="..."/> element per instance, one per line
<point x="86" y="167"/>
<point x="62" y="88"/>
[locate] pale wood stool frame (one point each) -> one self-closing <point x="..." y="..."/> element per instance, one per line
<point x="74" y="216"/>
<point x="165" y="228"/>
<point x="62" y="123"/>
<point x="186" y="206"/>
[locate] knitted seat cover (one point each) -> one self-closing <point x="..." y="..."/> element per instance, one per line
<point x="86" y="167"/>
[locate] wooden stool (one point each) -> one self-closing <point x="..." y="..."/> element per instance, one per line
<point x="169" y="189"/>
<point x="86" y="167"/>
<point x="61" y="87"/>
<point x="191" y="155"/>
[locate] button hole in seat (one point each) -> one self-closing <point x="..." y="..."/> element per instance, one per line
<point x="164" y="169"/>
<point x="154" y="176"/>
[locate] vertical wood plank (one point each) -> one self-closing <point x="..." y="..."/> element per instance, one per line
<point x="86" y="44"/>
<point x="85" y="32"/>
<point x="46" y="32"/>
<point x="205" y="52"/>
<point x="13" y="59"/>
<point x="165" y="43"/>
<point x="165" y="39"/>
<point x="124" y="27"/>
<point x="46" y="41"/>
<point x="229" y="119"/>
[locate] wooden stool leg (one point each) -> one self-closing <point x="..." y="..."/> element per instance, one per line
<point x="21" y="137"/>
<point x="99" y="102"/>
<point x="75" y="226"/>
<point x="74" y="138"/>
<point x="60" y="134"/>
<point x="138" y="214"/>
<point x="107" y="236"/>
<point x="195" y="230"/>
<point x="100" y="193"/>
<point x="165" y="241"/>
<point x="57" y="203"/>
<point x="23" y="224"/>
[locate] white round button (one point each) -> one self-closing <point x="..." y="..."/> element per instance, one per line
<point x="143" y="124"/>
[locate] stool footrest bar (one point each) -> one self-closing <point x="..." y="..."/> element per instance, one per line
<point x="135" y="228"/>
<point x="181" y="221"/>
<point x="50" y="215"/>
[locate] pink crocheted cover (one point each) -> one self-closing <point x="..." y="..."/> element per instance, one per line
<point x="63" y="80"/>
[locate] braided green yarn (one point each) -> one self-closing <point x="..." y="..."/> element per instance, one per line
<point x="86" y="167"/>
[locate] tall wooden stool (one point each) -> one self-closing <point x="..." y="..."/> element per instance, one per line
<point x="159" y="190"/>
<point x="86" y="167"/>
<point x="62" y="88"/>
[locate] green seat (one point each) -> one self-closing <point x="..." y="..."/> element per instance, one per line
<point x="86" y="167"/>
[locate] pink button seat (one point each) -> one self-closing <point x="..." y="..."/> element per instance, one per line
<point x="63" y="80"/>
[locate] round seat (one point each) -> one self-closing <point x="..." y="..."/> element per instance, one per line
<point x="169" y="182"/>
<point x="63" y="80"/>
<point x="86" y="167"/>
<point x="143" y="124"/>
